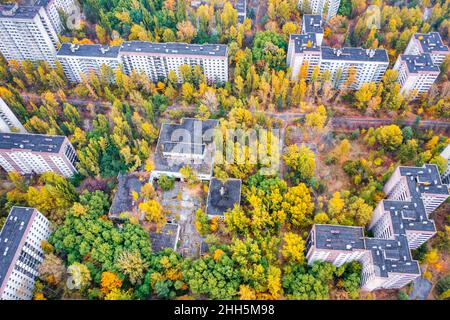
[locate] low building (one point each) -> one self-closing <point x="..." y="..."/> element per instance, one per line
<point x="79" y="61"/>
<point x="222" y="196"/>
<point x="189" y="143"/>
<point x="166" y="238"/>
<point x="446" y="175"/>
<point x="430" y="43"/>
<point x="128" y="187"/>
<point x="8" y="120"/>
<point x="416" y="73"/>
<point x="21" y="253"/>
<point x="37" y="153"/>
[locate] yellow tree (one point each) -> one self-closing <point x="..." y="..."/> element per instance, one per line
<point x="186" y="31"/>
<point x="154" y="213"/>
<point x="298" y="205"/>
<point x="293" y="248"/>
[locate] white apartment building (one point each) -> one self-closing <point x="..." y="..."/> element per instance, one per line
<point x="8" y="120"/>
<point x="157" y="59"/>
<point x="326" y="8"/>
<point x="36" y="153"/>
<point x="313" y="24"/>
<point x="409" y="183"/>
<point x="52" y="7"/>
<point x="241" y="8"/>
<point x="27" y="33"/>
<point x="428" y="43"/>
<point x="303" y="50"/>
<point x="399" y="224"/>
<point x="446" y="175"/>
<point x="80" y="60"/>
<point x="369" y="65"/>
<point x="21" y="253"/>
<point x="416" y="73"/>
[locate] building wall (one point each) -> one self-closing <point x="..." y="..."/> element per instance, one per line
<point x="76" y="67"/>
<point x="27" y="161"/>
<point x="29" y="255"/>
<point x="157" y="67"/>
<point x="327" y="7"/>
<point x="8" y="120"/>
<point x="29" y="39"/>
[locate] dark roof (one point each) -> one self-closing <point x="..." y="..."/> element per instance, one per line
<point x="89" y="50"/>
<point x="18" y="12"/>
<point x="431" y="42"/>
<point x="334" y="237"/>
<point x="166" y="238"/>
<point x="123" y="199"/>
<point x="189" y="131"/>
<point x="33" y="142"/>
<point x="11" y="235"/>
<point x="313" y="23"/>
<point x="424" y="179"/>
<point x="392" y="255"/>
<point x="304" y="42"/>
<point x="183" y="148"/>
<point x="408" y="216"/>
<point x="355" y="54"/>
<point x="418" y="63"/>
<point x="222" y="196"/>
<point x="212" y="50"/>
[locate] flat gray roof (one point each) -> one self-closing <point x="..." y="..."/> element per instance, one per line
<point x="172" y="134"/>
<point x="408" y="216"/>
<point x="313" y="23"/>
<point x="335" y="237"/>
<point x="431" y="42"/>
<point x="355" y="54"/>
<point x="33" y="142"/>
<point x="18" y="12"/>
<point x="211" y="50"/>
<point x="11" y="235"/>
<point x="166" y="238"/>
<point x="418" y="63"/>
<point x="424" y="179"/>
<point x="89" y="50"/>
<point x="123" y="199"/>
<point x="304" y="42"/>
<point x="223" y="195"/>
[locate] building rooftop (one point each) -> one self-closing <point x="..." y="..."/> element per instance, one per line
<point x="334" y="237"/>
<point x="211" y="50"/>
<point x="33" y="142"/>
<point x="355" y="54"/>
<point x="223" y="195"/>
<point x="408" y="216"/>
<point x="313" y="23"/>
<point x="391" y="256"/>
<point x="166" y="238"/>
<point x="431" y="42"/>
<point x="123" y="199"/>
<point x="424" y="179"/>
<point x="11" y="235"/>
<point x="15" y="11"/>
<point x="89" y="50"/>
<point x="241" y="7"/>
<point x="419" y="63"/>
<point x="189" y="139"/>
<point x="304" y="42"/>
